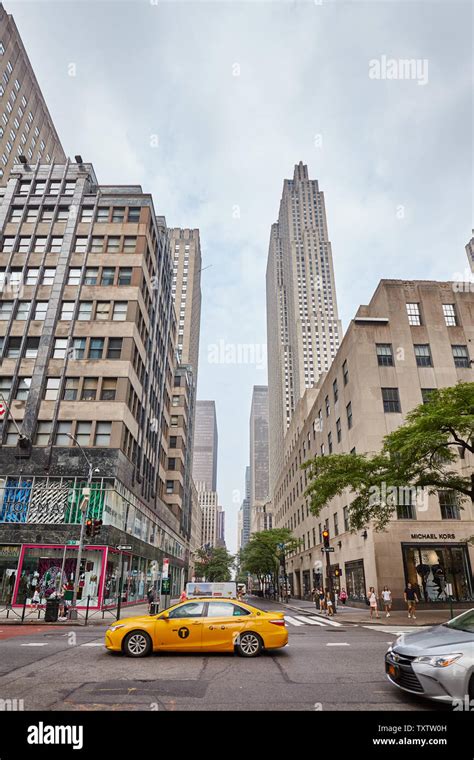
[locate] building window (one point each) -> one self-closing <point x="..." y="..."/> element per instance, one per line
<point x="103" y="214"/>
<point x="118" y="214"/>
<point x="60" y="346"/>
<point x="384" y="354"/>
<point x="345" y="372"/>
<point x="91" y="276"/>
<point x="89" y="389"/>
<point x="113" y="244"/>
<point x="69" y="188"/>
<point x="63" y="214"/>
<point x="32" y="275"/>
<point x="47" y="214"/>
<point x="6" y="309"/>
<point x="7" y="244"/>
<point x="74" y="276"/>
<point x="328" y="409"/>
<point x="96" y="348"/>
<point x="102" y="433"/>
<point x="405" y="506"/>
<point x="52" y="389"/>
<point x="39" y="188"/>
<point x="31" y="214"/>
<point x="87" y="213"/>
<point x="336" y="524"/>
<point x="24" y="244"/>
<point x="125" y="276"/>
<point x="23" y="310"/>
<point x="413" y="313"/>
<point x="102" y="311"/>
<point x="16" y="213"/>
<point x="349" y="414"/>
<point x="129" y="244"/>
<point x="12" y="435"/>
<point x="461" y="357"/>
<point x="23" y="388"/>
<point x="43" y="431"/>
<point x="79" y="348"/>
<point x="83" y="433"/>
<point x="40" y="310"/>
<point x="449" y="508"/>
<point x="425" y="394"/>
<point x="330" y="443"/>
<point x="450" y="316"/>
<point x="67" y="310"/>
<point x="423" y="355"/>
<point x="169" y="486"/>
<point x="63" y="431"/>
<point x="48" y="276"/>
<point x="80" y="245"/>
<point x="71" y="388"/>
<point x="335" y="391"/>
<point x="108" y="276"/>
<point x="345" y="514"/>
<point x="391" y="400"/>
<point x="114" y="349"/>
<point x="56" y="244"/>
<point x="133" y="215"/>
<point x="120" y="311"/>
<point x="109" y="389"/>
<point x="97" y="244"/>
<point x="31" y="348"/>
<point x="338" y="430"/>
<point x="85" y="311"/>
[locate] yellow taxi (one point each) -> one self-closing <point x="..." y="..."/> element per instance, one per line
<point x="200" y="625"/>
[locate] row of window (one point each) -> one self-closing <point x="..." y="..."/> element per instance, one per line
<point x="88" y="310"/>
<point x="449" y="311"/>
<point x="86" y="433"/>
<point x="81" y="348"/>
<point x="92" y="276"/>
<point x="48" y="187"/>
<point x="74" y="389"/>
<point x="422" y="354"/>
<point x="39" y="244"/>
<point x="31" y="214"/>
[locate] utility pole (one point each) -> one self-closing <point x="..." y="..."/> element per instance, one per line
<point x="84" y="505"/>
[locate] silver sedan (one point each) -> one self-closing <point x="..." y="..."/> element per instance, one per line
<point x="437" y="662"/>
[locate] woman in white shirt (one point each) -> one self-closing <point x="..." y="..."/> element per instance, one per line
<point x="387" y="600"/>
<point x="372" y="597"/>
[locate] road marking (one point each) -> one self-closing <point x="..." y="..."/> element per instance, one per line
<point x="292" y="621"/>
<point x="332" y="622"/>
<point x="93" y="644"/>
<point x="389" y="629"/>
<point x="338" y="644"/>
<point x="35" y="644"/>
<point x="310" y="621"/>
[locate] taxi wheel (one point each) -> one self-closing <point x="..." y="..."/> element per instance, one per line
<point x="471" y="687"/>
<point x="137" y="644"/>
<point x="250" y="644"/>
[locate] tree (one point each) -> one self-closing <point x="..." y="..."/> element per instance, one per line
<point x="214" y="563"/>
<point x="420" y="454"/>
<point x="264" y="551"/>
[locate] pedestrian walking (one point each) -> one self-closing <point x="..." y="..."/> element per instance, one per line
<point x="387" y="600"/>
<point x="151" y="597"/>
<point x="372" y="598"/>
<point x="183" y="596"/>
<point x="343" y="596"/>
<point x="411" y="599"/>
<point x="322" y="600"/>
<point x="329" y="604"/>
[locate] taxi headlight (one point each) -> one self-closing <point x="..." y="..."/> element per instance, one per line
<point x="440" y="660"/>
<point x="116" y="627"/>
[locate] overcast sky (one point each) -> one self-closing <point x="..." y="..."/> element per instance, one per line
<point x="236" y="93"/>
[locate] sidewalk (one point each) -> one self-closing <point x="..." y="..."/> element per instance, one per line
<point x="95" y="616"/>
<point x="356" y="616"/>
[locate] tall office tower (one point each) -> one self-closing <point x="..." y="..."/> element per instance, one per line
<point x="470" y="251"/>
<point x="87" y="329"/>
<point x="209" y="506"/>
<point x="303" y="327"/>
<point x="186" y="251"/>
<point x="26" y="127"/>
<point x="246" y="512"/>
<point x="240" y="525"/>
<point x="205" y="446"/>
<point x="259" y="483"/>
<point x="220" y="527"/>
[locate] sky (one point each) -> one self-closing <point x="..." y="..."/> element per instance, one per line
<point x="209" y="105"/>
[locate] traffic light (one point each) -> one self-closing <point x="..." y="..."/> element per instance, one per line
<point x="96" y="527"/>
<point x="326" y="538"/>
<point x="337" y="573"/>
<point x="89" y="528"/>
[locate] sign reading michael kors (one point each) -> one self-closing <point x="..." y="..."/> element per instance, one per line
<point x="436" y="537"/>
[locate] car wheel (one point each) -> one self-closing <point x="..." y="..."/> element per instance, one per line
<point x="471" y="687"/>
<point x="137" y="644"/>
<point x="249" y="644"/>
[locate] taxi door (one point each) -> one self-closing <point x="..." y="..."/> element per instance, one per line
<point x="182" y="629"/>
<point x="221" y="626"/>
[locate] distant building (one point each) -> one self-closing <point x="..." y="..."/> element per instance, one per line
<point x="205" y="445"/>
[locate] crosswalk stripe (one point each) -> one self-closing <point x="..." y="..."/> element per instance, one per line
<point x="389" y="629"/>
<point x="292" y="621"/>
<point x="327" y="621"/>
<point x="93" y="644"/>
<point x="35" y="644"/>
<point x="310" y="621"/>
<point x="338" y="644"/>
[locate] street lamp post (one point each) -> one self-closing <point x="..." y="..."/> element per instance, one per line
<point x="86" y="493"/>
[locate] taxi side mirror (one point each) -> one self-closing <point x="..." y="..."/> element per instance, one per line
<point x="165" y="616"/>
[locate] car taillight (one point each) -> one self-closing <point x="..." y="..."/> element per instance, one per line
<point x="280" y="621"/>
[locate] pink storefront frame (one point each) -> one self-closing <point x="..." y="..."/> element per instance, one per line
<point x="87" y="547"/>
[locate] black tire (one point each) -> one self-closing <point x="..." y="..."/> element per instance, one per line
<point x="137" y="644"/>
<point x="249" y="644"/>
<point x="471" y="687"/>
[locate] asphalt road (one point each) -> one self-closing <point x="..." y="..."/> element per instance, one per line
<point x="325" y="667"/>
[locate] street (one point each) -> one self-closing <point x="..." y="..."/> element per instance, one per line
<point x="326" y="666"/>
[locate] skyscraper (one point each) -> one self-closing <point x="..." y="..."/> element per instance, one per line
<point x="186" y="252"/>
<point x="26" y="127"/>
<point x="259" y="478"/>
<point x="205" y="446"/>
<point x="303" y="326"/>
<point x="246" y="510"/>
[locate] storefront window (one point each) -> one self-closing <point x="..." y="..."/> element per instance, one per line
<point x="355" y="580"/>
<point x="435" y="569"/>
<point x="9" y="555"/>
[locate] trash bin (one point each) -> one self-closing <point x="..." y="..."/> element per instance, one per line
<point x="52" y="611"/>
<point x="154" y="608"/>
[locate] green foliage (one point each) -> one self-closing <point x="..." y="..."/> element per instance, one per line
<point x="262" y="554"/>
<point x="214" y="564"/>
<point x="421" y="453"/>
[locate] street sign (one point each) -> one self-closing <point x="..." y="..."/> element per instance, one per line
<point x="72" y="543"/>
<point x="165" y="586"/>
<point x="165" y="569"/>
<point x="124" y="548"/>
<point x="329" y="549"/>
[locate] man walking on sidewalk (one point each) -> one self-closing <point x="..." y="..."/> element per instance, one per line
<point x="411" y="600"/>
